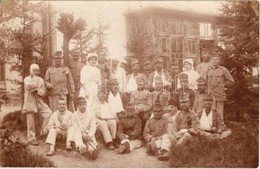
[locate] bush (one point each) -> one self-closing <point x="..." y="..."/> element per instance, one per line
<point x="239" y="150"/>
<point x="17" y="154"/>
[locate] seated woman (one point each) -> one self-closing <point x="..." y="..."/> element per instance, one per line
<point x="211" y="123"/>
<point x="106" y="119"/>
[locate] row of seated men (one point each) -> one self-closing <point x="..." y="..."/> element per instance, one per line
<point x="145" y="120"/>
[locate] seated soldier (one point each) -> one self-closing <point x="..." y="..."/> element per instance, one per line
<point x="185" y="127"/>
<point x="154" y="129"/>
<point x="183" y="77"/>
<point x="201" y="92"/>
<point x="129" y="131"/>
<point x="169" y="114"/>
<point x="60" y="126"/>
<point x="106" y="119"/>
<point x="211" y="123"/>
<point x="140" y="100"/>
<point x="116" y="99"/>
<point x="84" y="124"/>
<point x="159" y="95"/>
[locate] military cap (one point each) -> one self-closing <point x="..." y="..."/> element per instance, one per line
<point x="158" y="78"/>
<point x="201" y="81"/>
<point x="159" y="59"/>
<point x="147" y="62"/>
<point x="58" y="55"/>
<point x="81" y="100"/>
<point x="92" y="55"/>
<point x="184" y="97"/>
<point x="183" y="76"/>
<point x="134" y="62"/>
<point x="157" y="106"/>
<point x="208" y="96"/>
<point x="141" y="76"/>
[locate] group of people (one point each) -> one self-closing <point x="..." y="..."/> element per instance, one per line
<point x="128" y="111"/>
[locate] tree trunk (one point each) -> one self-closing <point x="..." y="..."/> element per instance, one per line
<point x="66" y="41"/>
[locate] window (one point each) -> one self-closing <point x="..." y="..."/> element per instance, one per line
<point x="163" y="45"/>
<point x="191" y="28"/>
<point x="176" y="48"/>
<point x="191" y="46"/>
<point x="176" y="27"/>
<point x="206" y="29"/>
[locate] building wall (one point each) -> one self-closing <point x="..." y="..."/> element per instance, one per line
<point x="173" y="37"/>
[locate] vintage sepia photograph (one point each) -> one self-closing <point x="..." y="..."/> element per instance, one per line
<point x="129" y="84"/>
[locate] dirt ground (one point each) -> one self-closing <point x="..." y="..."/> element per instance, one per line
<point x="106" y="158"/>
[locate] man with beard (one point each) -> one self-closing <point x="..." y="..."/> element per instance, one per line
<point x="185" y="128"/>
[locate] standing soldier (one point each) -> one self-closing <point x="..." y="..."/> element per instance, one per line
<point x="203" y="66"/>
<point x="104" y="67"/>
<point x="34" y="89"/>
<point x="59" y="82"/>
<point x="218" y="78"/>
<point x="159" y="71"/>
<point x="75" y="67"/>
<point x="147" y="68"/>
<point x="131" y="79"/>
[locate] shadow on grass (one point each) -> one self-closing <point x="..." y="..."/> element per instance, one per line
<point x="240" y="150"/>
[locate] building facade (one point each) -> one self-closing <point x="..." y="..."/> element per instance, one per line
<point x="174" y="34"/>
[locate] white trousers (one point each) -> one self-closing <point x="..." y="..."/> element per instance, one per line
<point x="108" y="129"/>
<point x="52" y="135"/>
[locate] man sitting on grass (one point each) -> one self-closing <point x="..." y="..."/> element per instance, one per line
<point x="154" y="129"/>
<point x="129" y="131"/>
<point x="211" y="123"/>
<point x="85" y="127"/>
<point x="185" y="127"/>
<point x="60" y="126"/>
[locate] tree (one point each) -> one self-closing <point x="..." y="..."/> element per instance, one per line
<point x="19" y="44"/>
<point x="239" y="27"/>
<point x="69" y="27"/>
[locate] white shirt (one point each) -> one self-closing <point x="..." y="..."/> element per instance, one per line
<point x="206" y="121"/>
<point x="120" y="75"/>
<point x="90" y="77"/>
<point x="115" y="103"/>
<point x="131" y="84"/>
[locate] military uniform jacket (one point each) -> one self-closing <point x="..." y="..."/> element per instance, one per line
<point x="163" y="97"/>
<point x="142" y="97"/>
<point x="155" y="128"/>
<point x="59" y="77"/>
<point x="188" y="120"/>
<point x="217" y="120"/>
<point x="75" y="68"/>
<point x="218" y="78"/>
<point x="198" y="102"/>
<point x="179" y="92"/>
<point x="131" y="126"/>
